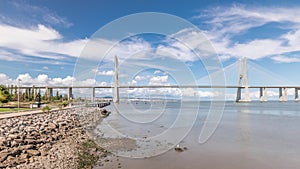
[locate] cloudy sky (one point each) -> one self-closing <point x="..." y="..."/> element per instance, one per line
<point x="41" y="41"/>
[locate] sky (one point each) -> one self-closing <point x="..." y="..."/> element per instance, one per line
<point x="41" y="42"/>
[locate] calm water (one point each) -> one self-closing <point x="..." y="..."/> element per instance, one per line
<point x="249" y="135"/>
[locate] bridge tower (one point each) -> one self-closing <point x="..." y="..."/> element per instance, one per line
<point x="116" y="82"/>
<point x="243" y="76"/>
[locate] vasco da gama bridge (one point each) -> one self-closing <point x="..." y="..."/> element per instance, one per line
<point x="282" y="90"/>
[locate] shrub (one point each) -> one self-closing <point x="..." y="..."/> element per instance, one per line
<point x="46" y="109"/>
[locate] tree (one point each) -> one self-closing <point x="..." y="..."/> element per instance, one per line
<point x="16" y="93"/>
<point x="4" y="94"/>
<point x="26" y="95"/>
<point x="38" y="96"/>
<point x="57" y="95"/>
<point x="32" y="96"/>
<point x="11" y="90"/>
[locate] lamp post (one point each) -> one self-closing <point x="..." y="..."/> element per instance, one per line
<point x="19" y="80"/>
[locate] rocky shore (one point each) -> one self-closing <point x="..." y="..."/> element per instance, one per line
<point x="50" y="140"/>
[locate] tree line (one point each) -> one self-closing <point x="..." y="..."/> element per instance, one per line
<point x="11" y="93"/>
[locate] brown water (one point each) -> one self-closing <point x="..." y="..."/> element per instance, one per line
<point x="249" y="136"/>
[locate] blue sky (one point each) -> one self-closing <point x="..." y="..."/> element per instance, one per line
<point x="41" y="40"/>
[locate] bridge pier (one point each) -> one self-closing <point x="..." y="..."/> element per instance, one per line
<point x="49" y="93"/>
<point x="93" y="94"/>
<point x="239" y="94"/>
<point x="285" y="94"/>
<point x="296" y="95"/>
<point x="261" y="94"/>
<point x="265" y="95"/>
<point x="70" y="94"/>
<point x="280" y="94"/>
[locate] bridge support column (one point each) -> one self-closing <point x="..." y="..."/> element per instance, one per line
<point x="93" y="94"/>
<point x="238" y="94"/>
<point x="285" y="94"/>
<point x="265" y="95"/>
<point x="116" y="82"/>
<point x="296" y="95"/>
<point x="70" y="94"/>
<point x="280" y="94"/>
<point x="261" y="94"/>
<point x="49" y="93"/>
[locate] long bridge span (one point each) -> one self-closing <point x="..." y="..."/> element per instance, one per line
<point x="282" y="90"/>
<point x="282" y="94"/>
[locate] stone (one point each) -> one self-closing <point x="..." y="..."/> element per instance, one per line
<point x="14" y="144"/>
<point x="30" y="128"/>
<point x="33" y="152"/>
<point x="13" y="136"/>
<point x="2" y="140"/>
<point x="52" y="126"/>
<point x="15" y="152"/>
<point x="11" y="161"/>
<point x="3" y="157"/>
<point x="26" y="147"/>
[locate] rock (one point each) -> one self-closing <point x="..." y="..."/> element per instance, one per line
<point x="15" y="152"/>
<point x="26" y="147"/>
<point x="13" y="136"/>
<point x="11" y="161"/>
<point x="31" y="159"/>
<point x="3" y="157"/>
<point x="178" y="148"/>
<point x="63" y="123"/>
<point x="105" y="113"/>
<point x="33" y="152"/>
<point x="52" y="126"/>
<point x="31" y="141"/>
<point x="14" y="144"/>
<point x="22" y="158"/>
<point x="30" y="128"/>
<point x="2" y="140"/>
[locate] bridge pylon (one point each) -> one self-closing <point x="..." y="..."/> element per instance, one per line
<point x="116" y="82"/>
<point x="243" y="76"/>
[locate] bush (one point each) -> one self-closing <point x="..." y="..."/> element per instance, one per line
<point x="65" y="103"/>
<point x="46" y="109"/>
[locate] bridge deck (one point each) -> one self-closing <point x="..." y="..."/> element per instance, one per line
<point x="158" y="86"/>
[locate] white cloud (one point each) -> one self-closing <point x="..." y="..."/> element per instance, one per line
<point x="25" y="14"/>
<point x="157" y="72"/>
<point x="158" y="80"/>
<point x="141" y="78"/>
<point x="228" y="22"/>
<point x="284" y="59"/>
<point x="40" y="41"/>
<point x="5" y="80"/>
<point x="106" y="73"/>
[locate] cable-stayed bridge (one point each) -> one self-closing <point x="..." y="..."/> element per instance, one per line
<point x="236" y="73"/>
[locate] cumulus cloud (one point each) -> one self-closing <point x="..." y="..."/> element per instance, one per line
<point x="225" y="24"/>
<point x="284" y="59"/>
<point x="39" y="41"/>
<point x="158" y="80"/>
<point x="106" y="73"/>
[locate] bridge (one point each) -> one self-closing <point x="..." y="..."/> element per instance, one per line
<point x="282" y="90"/>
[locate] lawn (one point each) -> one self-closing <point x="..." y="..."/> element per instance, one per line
<point x="4" y="110"/>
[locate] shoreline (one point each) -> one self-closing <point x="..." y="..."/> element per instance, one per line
<point x="57" y="139"/>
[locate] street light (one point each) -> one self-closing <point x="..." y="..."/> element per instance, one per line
<point x="19" y="81"/>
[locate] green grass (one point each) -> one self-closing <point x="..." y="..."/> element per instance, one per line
<point x="5" y="110"/>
